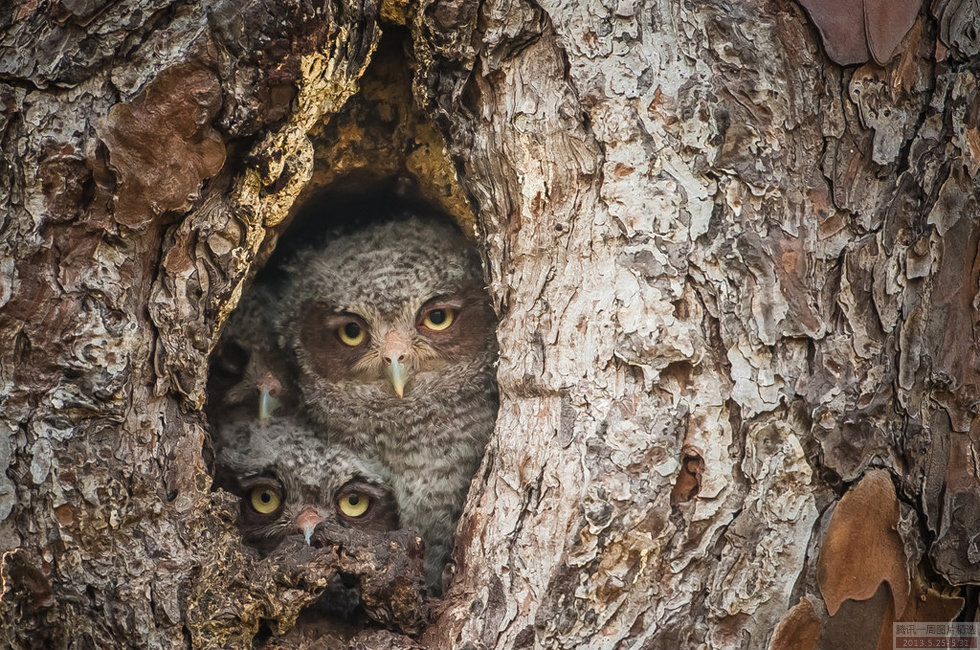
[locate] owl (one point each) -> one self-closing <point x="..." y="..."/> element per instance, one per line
<point x="393" y="336"/>
<point x="248" y="377"/>
<point x="289" y="480"/>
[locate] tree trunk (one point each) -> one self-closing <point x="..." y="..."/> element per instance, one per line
<point x="737" y="283"/>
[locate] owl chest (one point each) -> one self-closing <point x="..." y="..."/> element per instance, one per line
<point x="407" y="431"/>
<point x="424" y="431"/>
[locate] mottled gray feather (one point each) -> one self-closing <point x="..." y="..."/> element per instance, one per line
<point x="431" y="440"/>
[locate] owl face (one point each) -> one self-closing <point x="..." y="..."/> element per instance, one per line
<point x="396" y="351"/>
<point x="248" y="377"/>
<point x="389" y="310"/>
<point x="289" y="481"/>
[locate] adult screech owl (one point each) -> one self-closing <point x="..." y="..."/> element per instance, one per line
<point x="393" y="333"/>
<point x="289" y="480"/>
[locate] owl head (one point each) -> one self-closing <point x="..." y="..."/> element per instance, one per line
<point x="290" y="480"/>
<point x="248" y="377"/>
<point x="394" y="311"/>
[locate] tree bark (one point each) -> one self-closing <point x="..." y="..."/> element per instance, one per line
<point x="737" y="286"/>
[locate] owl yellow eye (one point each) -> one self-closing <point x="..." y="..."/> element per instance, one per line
<point x="354" y="504"/>
<point x="439" y="319"/>
<point x="265" y="500"/>
<point x="351" y="334"/>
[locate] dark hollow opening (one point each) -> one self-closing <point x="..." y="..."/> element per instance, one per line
<point x="266" y="458"/>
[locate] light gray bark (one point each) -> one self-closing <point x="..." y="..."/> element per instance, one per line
<point x="737" y="288"/>
<point x="709" y="243"/>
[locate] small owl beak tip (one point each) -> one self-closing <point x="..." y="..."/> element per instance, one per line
<point x="267" y="404"/>
<point x="306" y="523"/>
<point x="398" y="375"/>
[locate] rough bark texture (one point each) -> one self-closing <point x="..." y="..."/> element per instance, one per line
<point x="708" y="242"/>
<point x="738" y="290"/>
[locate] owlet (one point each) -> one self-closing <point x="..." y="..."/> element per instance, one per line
<point x="393" y="335"/>
<point x="289" y="480"/>
<point x="248" y="377"/>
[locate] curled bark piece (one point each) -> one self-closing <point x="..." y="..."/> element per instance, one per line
<point x="862" y="548"/>
<point x="855" y="32"/>
<point x="799" y="629"/>
<point x="841" y="27"/>
<point x="161" y="145"/>
<point x="886" y="24"/>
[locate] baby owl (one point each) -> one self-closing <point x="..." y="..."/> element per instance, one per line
<point x="248" y="377"/>
<point x="393" y="334"/>
<point x="289" y="480"/>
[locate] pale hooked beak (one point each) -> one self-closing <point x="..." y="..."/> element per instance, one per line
<point x="398" y="375"/>
<point x="267" y="404"/>
<point x="268" y="386"/>
<point x="306" y="522"/>
<point x="395" y="350"/>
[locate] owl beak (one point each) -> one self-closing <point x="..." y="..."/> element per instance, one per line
<point x="306" y="522"/>
<point x="267" y="405"/>
<point x="268" y="386"/>
<point x="396" y="348"/>
<point x="398" y="375"/>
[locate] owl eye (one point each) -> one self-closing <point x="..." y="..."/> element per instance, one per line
<point x="354" y="504"/>
<point x="265" y="500"/>
<point x="439" y="319"/>
<point x="351" y="334"/>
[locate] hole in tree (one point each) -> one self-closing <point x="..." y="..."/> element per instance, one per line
<point x="279" y="358"/>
